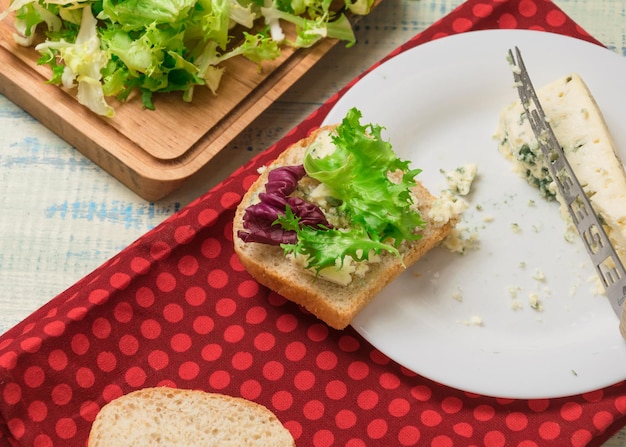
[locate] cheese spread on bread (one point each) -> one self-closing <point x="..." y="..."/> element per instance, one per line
<point x="580" y="128"/>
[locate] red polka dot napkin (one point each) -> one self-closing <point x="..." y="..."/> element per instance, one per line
<point x="177" y="308"/>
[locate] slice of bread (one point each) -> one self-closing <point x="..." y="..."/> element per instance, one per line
<point x="335" y="304"/>
<point x="186" y="418"/>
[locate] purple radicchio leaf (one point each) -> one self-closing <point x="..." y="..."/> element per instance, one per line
<point x="259" y="218"/>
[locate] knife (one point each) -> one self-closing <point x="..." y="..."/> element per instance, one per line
<point x="607" y="263"/>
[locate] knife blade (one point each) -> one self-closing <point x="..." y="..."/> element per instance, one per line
<point x="607" y="263"/>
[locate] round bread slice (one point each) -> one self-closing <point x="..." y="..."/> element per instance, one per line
<point x="171" y="417"/>
<point x="336" y="305"/>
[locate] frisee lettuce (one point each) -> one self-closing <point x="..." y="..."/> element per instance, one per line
<point x="154" y="46"/>
<point x="358" y="172"/>
<point x="323" y="247"/>
<point x="380" y="210"/>
<point x="84" y="59"/>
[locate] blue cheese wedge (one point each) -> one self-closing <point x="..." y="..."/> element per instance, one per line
<point x="580" y="128"/>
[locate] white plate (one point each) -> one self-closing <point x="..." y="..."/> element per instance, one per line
<point x="440" y="104"/>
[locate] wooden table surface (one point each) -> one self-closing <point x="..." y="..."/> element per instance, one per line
<point x="61" y="216"/>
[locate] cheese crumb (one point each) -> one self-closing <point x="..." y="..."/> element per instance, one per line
<point x="450" y="204"/>
<point x="516" y="304"/>
<point x="539" y="275"/>
<point x="460" y="240"/>
<point x="474" y="320"/>
<point x="460" y="179"/>
<point x="535" y="303"/>
<point x="445" y="207"/>
<point x="457" y="295"/>
<point x="513" y="290"/>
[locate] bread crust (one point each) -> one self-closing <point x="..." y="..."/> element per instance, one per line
<point x="334" y="304"/>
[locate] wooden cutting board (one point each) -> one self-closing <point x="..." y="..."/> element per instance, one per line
<point x="152" y="152"/>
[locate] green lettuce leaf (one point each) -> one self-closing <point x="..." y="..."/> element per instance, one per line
<point x="83" y="59"/>
<point x="139" y="14"/>
<point x="320" y="23"/>
<point x="358" y="172"/>
<point x="323" y="247"/>
<point x="372" y="188"/>
<point x="361" y="7"/>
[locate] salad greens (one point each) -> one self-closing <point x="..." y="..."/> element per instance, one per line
<point x="358" y="173"/>
<point x="322" y="247"/>
<point x="110" y="48"/>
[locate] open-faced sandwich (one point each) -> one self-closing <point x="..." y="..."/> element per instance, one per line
<point x="335" y="218"/>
